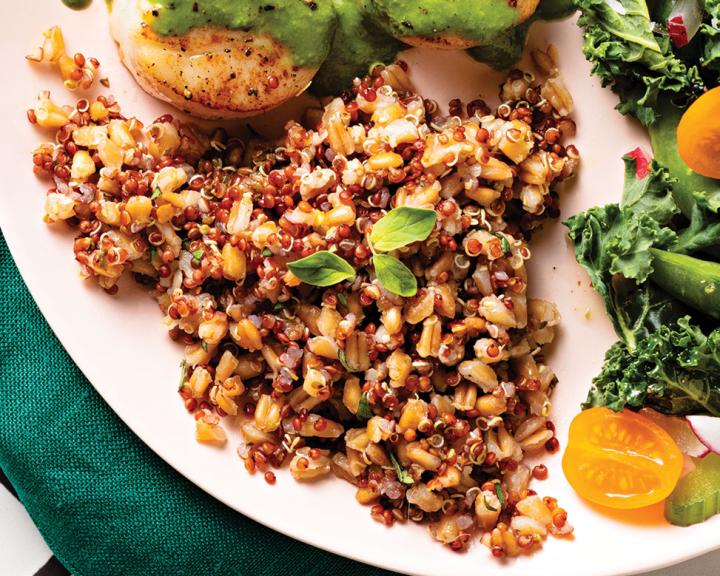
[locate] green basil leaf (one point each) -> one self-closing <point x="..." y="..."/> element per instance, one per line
<point x="153" y="253"/>
<point x="364" y="411"/>
<point x="402" y="226"/>
<point x="500" y="494"/>
<point x="402" y="474"/>
<point x="394" y="275"/>
<point x="266" y="252"/>
<point x="322" y="269"/>
<point x="342" y="299"/>
<point x="155" y="193"/>
<point x="204" y="345"/>
<point x="183" y="374"/>
<point x="197" y="256"/>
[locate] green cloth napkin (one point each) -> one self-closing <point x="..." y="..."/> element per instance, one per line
<point x="103" y="501"/>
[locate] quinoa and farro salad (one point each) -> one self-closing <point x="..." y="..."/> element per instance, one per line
<point x="354" y="298"/>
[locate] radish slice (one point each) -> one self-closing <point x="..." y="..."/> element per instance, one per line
<point x="642" y="162"/>
<point x="677" y="31"/>
<point x="707" y="429"/>
<point x="684" y="21"/>
<point x="680" y="431"/>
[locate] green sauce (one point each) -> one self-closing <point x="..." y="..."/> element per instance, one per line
<point x="77" y="4"/>
<point x="305" y="27"/>
<point x="474" y="20"/>
<point x="505" y="50"/>
<point x="554" y="9"/>
<point x="358" y="44"/>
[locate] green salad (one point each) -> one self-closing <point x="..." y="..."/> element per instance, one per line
<point x="654" y="256"/>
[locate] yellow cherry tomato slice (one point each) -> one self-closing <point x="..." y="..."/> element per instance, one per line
<point x="620" y="459"/>
<point x="698" y="135"/>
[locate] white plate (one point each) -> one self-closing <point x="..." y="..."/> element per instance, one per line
<point x="121" y="346"/>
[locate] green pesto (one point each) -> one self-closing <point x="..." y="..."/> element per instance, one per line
<point x="305" y="27"/>
<point x="554" y="9"/>
<point x="77" y="4"/>
<point x="473" y="20"/>
<point x="358" y="44"/>
<point x="505" y="50"/>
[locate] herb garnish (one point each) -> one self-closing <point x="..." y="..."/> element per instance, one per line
<point x="183" y="374"/>
<point x="394" y="275"/>
<point x="504" y="243"/>
<point x="402" y="226"/>
<point x="398" y="228"/>
<point x="322" y="269"/>
<point x="343" y="361"/>
<point x="500" y="494"/>
<point x="402" y="474"/>
<point x="364" y="412"/>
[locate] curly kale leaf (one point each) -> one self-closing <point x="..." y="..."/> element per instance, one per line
<point x="613" y="244"/>
<point x="615" y="239"/>
<point x="675" y="370"/>
<point x="711" y="35"/>
<point x="626" y="53"/>
<point x="614" y="248"/>
<point x="651" y="195"/>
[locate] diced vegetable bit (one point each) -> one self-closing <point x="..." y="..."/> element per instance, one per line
<point x="697" y="495"/>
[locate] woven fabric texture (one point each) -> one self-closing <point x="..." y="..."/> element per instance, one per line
<point x="106" y="504"/>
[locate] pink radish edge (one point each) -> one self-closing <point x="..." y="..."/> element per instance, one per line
<point x="680" y="431"/>
<point x="707" y="429"/>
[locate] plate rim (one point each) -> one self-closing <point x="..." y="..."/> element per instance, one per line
<point x="61" y="331"/>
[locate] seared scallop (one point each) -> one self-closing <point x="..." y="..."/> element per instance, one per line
<point x="208" y="71"/>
